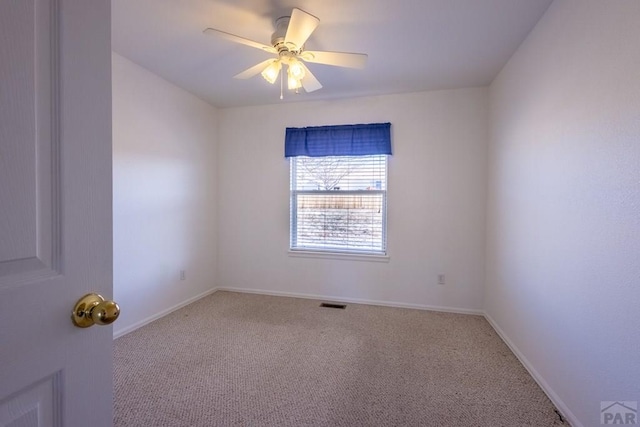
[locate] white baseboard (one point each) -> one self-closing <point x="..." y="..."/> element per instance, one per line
<point x="121" y="332"/>
<point x="555" y="399"/>
<point x="141" y="323"/>
<point x="356" y="301"/>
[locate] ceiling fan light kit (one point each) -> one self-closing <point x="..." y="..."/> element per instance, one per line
<point x="270" y="73"/>
<point x="287" y="42"/>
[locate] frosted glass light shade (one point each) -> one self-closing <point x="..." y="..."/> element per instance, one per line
<point x="270" y="73"/>
<point x="296" y="69"/>
<point x="293" y="83"/>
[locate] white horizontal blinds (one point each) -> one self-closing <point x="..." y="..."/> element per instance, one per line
<point x="339" y="203"/>
<point x="346" y="222"/>
<point x="340" y="173"/>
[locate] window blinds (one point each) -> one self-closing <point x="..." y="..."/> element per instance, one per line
<point x="338" y="204"/>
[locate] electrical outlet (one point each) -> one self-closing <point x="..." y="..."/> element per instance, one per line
<point x="441" y="279"/>
<point x="183" y="275"/>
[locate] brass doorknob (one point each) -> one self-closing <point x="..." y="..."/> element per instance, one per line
<point x="93" y="309"/>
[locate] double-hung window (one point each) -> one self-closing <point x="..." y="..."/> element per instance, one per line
<point x="338" y="193"/>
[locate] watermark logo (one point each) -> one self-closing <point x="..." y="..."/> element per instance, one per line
<point x="620" y="413"/>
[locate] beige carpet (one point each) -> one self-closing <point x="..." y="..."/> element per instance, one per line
<point x="235" y="359"/>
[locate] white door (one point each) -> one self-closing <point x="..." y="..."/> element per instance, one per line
<point x="55" y="211"/>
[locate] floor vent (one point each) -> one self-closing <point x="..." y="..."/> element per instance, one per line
<point x="330" y="305"/>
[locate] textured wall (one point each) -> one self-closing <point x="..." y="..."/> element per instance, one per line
<point x="564" y="193"/>
<point x="436" y="200"/>
<point x="164" y="193"/>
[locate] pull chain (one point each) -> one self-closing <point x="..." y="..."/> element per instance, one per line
<point x="281" y="83"/>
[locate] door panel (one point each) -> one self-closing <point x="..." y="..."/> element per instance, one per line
<point x="37" y="405"/>
<point x="29" y="169"/>
<point x="55" y="210"/>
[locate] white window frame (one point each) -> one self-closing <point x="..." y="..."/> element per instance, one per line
<point x="332" y="252"/>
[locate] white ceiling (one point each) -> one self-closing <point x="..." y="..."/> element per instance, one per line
<point x="413" y="45"/>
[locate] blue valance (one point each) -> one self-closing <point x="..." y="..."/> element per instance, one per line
<point x="340" y="140"/>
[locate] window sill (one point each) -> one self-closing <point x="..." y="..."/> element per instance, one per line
<point x="339" y="256"/>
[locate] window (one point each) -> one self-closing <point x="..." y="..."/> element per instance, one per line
<point x="338" y="202"/>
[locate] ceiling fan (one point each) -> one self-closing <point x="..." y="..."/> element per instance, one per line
<point x="287" y="42"/>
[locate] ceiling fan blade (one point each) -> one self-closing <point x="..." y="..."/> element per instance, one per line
<point x="238" y="39"/>
<point x="339" y="59"/>
<point x="250" y="72"/>
<point x="309" y="81"/>
<point x="301" y="25"/>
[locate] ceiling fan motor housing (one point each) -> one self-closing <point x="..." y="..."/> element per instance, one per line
<point x="277" y="38"/>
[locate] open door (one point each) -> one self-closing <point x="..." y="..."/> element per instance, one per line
<point x="55" y="211"/>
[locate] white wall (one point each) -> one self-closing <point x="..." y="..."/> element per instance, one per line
<point x="563" y="270"/>
<point x="436" y="201"/>
<point x="164" y="194"/>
